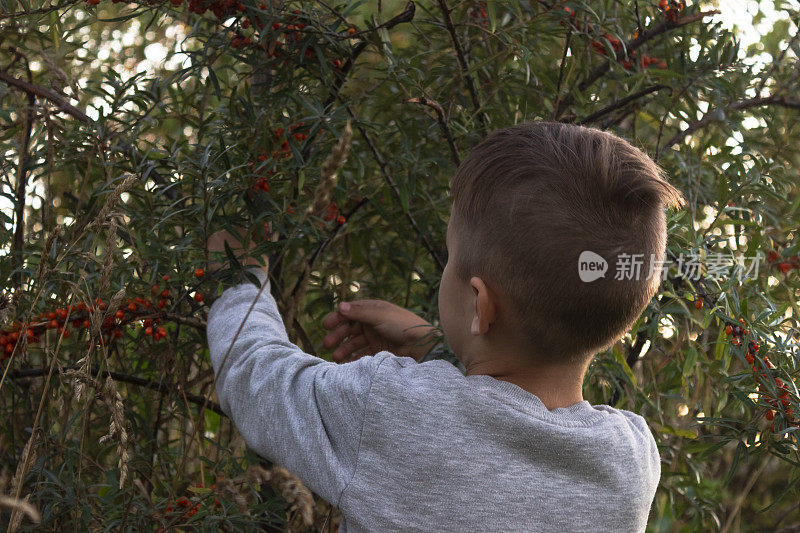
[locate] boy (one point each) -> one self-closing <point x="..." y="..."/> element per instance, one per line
<point x="399" y="445"/>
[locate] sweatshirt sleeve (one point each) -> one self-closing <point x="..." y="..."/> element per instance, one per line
<point x="294" y="409"/>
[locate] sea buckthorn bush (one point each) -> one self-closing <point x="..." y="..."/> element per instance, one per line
<point x="132" y="130"/>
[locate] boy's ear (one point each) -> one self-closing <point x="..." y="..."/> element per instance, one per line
<point x="485" y="309"/>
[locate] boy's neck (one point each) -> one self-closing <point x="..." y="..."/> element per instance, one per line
<point x="555" y="386"/>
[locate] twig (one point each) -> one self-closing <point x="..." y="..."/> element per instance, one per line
<point x="621" y="103"/>
<point x="18" y="244"/>
<point x="47" y="94"/>
<point x="473" y="92"/>
<point x="442" y="120"/>
<point x="37" y="11"/>
<point x="561" y="68"/>
<point x="390" y="181"/>
<point x="118" y="376"/>
<point x="714" y="116"/>
<point x="775" y="63"/>
<point x="737" y="506"/>
<point x="626" y="50"/>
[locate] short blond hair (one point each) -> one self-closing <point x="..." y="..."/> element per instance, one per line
<point x="529" y="199"/>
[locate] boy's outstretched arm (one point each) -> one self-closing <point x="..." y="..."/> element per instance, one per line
<point x="292" y="408"/>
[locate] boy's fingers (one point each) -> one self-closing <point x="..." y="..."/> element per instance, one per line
<point x="332" y="320"/>
<point x="348" y="347"/>
<point x="342" y="331"/>
<point x="363" y="310"/>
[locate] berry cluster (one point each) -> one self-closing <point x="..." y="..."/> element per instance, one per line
<point x="783" y="265"/>
<point x="184" y="508"/>
<point x="80" y="316"/>
<point x="333" y="213"/>
<point x="751" y="356"/>
<point x="478" y="12"/>
<point x="282" y="153"/>
<point x="671" y="8"/>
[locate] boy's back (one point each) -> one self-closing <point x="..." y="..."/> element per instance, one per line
<point x="479" y="454"/>
<point x="444" y="452"/>
<point x="398" y="445"/>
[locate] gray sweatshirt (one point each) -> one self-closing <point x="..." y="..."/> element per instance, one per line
<point x="398" y="445"/>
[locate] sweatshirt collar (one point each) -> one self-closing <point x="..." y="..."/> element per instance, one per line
<point x="579" y="414"/>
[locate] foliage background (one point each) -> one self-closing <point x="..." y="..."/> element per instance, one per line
<point x="127" y="133"/>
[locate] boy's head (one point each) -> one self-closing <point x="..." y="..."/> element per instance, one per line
<point x="527" y="201"/>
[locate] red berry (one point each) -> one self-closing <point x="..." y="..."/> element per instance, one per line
<point x="198" y="297"/>
<point x="162" y="304"/>
<point x="148" y="331"/>
<point x="728" y="329"/>
<point x="131" y="306"/>
<point x="120" y="314"/>
<point x="698" y="304"/>
<point x="53" y="324"/>
<point x="336" y="63"/>
<point x="87" y="324"/>
<point x="340" y="220"/>
<point x="165" y="293"/>
<point x="154" y="289"/>
<point x="769" y="415"/>
<point x="245" y="24"/>
<point x="117" y="334"/>
<point x="199" y="273"/>
<point x="165" y="277"/>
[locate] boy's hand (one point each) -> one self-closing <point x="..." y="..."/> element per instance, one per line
<point x="216" y="243"/>
<point x="375" y="325"/>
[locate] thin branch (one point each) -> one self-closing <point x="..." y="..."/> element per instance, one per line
<point x="621" y="103"/>
<point x="127" y="149"/>
<point x="118" y="376"/>
<point x="473" y="92"/>
<point x="625" y="52"/>
<point x="716" y="116"/>
<point x="18" y="244"/>
<point x="775" y="63"/>
<point x="390" y="181"/>
<point x="37" y="11"/>
<point x="442" y="120"/>
<point x="47" y="94"/>
<point x="561" y="68"/>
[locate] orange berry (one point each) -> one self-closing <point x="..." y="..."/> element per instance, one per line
<point x="162" y="330"/>
<point x="341" y="219"/>
<point x="698" y="304"/>
<point x="199" y="273"/>
<point x="87" y="324"/>
<point x="728" y="329"/>
<point x="120" y="314"/>
<point x="148" y="331"/>
<point x="53" y="324"/>
<point x="351" y="31"/>
<point x="102" y="306"/>
<point x="198" y="297"/>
